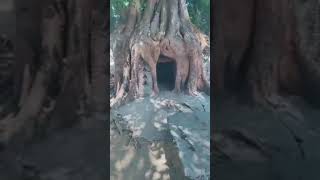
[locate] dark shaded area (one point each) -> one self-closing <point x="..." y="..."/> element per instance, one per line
<point x="67" y="154"/>
<point x="7" y="60"/>
<point x="255" y="143"/>
<point x="166" y="73"/>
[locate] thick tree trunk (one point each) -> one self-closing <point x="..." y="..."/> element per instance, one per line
<point x="162" y="29"/>
<point x="269" y="49"/>
<point x="70" y="68"/>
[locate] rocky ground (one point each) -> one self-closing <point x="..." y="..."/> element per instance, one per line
<point x="167" y="137"/>
<point x="78" y="153"/>
<point x="257" y="144"/>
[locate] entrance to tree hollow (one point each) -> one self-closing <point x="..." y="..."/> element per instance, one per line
<point x="166" y="73"/>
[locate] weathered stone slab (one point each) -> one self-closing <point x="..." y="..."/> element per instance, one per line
<point x="191" y="132"/>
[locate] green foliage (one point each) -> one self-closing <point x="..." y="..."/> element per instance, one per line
<point x="199" y="11"/>
<point x="116" y="8"/>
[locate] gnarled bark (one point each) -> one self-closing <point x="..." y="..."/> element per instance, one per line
<point x="163" y="28"/>
<point x="268" y="49"/>
<point x="68" y="73"/>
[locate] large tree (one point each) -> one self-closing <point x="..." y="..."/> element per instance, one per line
<point x="268" y="49"/>
<point x="150" y="30"/>
<point x="60" y="66"/>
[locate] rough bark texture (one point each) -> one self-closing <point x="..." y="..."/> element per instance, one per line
<point x="270" y="49"/>
<point x="163" y="28"/>
<point x="59" y="66"/>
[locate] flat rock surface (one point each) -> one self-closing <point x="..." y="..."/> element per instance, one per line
<point x="147" y="120"/>
<point x="191" y="132"/>
<point x="258" y="144"/>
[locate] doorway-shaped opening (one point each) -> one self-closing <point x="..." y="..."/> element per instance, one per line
<point x="166" y="73"/>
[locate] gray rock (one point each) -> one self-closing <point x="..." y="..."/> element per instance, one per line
<point x="191" y="132"/>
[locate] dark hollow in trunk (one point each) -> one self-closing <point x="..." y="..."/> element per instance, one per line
<point x="166" y="73"/>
